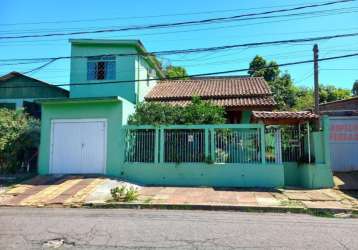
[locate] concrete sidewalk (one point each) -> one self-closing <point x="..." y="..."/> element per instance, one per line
<point x="323" y="198"/>
<point x="76" y="191"/>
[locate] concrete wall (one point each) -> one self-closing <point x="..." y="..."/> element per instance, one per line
<point x="317" y="174"/>
<point x="142" y="72"/>
<point x="125" y="71"/>
<point x="202" y="174"/>
<point x="106" y="109"/>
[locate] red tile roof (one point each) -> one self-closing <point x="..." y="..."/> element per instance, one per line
<point x="301" y="115"/>
<point x="223" y="91"/>
<point x="229" y="102"/>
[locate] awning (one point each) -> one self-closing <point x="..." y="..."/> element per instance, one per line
<point x="283" y="117"/>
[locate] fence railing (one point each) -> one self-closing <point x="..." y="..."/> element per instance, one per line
<point x="241" y="143"/>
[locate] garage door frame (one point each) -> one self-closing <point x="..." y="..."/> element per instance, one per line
<point x="342" y="118"/>
<point x="53" y="121"/>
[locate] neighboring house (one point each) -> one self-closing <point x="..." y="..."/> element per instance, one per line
<point x="19" y="91"/>
<point x="343" y="115"/>
<point x="239" y="95"/>
<point x="346" y="107"/>
<point x="87" y="132"/>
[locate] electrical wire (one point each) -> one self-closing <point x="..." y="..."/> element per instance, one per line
<point x="198" y="50"/>
<point x="194" y="75"/>
<point x="176" y="24"/>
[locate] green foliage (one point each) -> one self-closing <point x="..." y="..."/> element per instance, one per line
<point x="198" y="112"/>
<point x="124" y="193"/>
<point x="330" y="93"/>
<point x="175" y="72"/>
<point x="355" y="88"/>
<point x="281" y="85"/>
<point x="286" y="94"/>
<point x="304" y="99"/>
<point x="19" y="139"/>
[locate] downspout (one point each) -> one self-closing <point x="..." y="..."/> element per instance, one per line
<point x="308" y="142"/>
<point x="138" y="83"/>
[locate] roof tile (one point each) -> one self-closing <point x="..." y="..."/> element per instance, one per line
<point x="209" y="88"/>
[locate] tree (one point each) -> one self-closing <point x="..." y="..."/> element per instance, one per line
<point x="304" y="99"/>
<point x="329" y="93"/>
<point x="19" y="139"/>
<point x="355" y="88"/>
<point x="281" y="85"/>
<point x="198" y="112"/>
<point x="171" y="71"/>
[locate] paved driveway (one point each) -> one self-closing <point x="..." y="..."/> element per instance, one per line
<point x="52" y="190"/>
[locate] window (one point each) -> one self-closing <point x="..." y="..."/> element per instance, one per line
<point x="101" y="68"/>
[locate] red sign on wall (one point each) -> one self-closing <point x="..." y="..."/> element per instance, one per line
<point x="344" y="132"/>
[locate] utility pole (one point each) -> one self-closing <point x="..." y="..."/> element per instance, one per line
<point x="316" y="84"/>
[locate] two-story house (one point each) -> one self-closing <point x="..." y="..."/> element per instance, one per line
<point x="82" y="133"/>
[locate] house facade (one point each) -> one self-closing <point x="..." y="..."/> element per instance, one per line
<point x="19" y="91"/>
<point x="87" y="132"/>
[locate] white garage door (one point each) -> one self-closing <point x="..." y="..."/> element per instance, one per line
<point x="344" y="143"/>
<point x="78" y="146"/>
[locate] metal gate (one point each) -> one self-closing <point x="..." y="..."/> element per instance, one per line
<point x="344" y="143"/>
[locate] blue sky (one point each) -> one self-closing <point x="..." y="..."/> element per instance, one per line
<point x="27" y="17"/>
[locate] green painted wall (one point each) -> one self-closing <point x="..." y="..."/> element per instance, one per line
<point x="220" y="175"/>
<point x="44" y="91"/>
<point x="308" y="175"/>
<point x="105" y="109"/>
<point x="318" y="174"/>
<point x="246" y="116"/>
<point x="125" y="71"/>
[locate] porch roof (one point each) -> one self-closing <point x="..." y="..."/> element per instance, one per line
<point x="283" y="117"/>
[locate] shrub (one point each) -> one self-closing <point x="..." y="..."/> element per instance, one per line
<point x="124" y="193"/>
<point x="198" y="112"/>
<point x="19" y="139"/>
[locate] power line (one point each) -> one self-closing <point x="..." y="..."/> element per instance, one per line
<point x="197" y="50"/>
<point x="145" y="17"/>
<point x="194" y="75"/>
<point x="176" y="24"/>
<point x="33" y="42"/>
<point x="326" y="12"/>
<point x="40" y="67"/>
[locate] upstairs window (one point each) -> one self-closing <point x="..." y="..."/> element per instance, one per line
<point x="101" y="68"/>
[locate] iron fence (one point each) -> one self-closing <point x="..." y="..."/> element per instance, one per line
<point x="194" y="144"/>
<point x="184" y="145"/>
<point x="237" y="146"/>
<point x="140" y="145"/>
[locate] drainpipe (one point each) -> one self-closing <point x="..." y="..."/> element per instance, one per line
<point x="138" y="83"/>
<point x="308" y="142"/>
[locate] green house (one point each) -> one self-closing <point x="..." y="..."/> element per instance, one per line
<point x="87" y="132"/>
<point x="19" y="91"/>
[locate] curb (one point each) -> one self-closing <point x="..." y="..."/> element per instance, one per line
<point x="272" y="209"/>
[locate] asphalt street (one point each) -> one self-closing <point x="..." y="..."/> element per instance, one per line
<point x="65" y="228"/>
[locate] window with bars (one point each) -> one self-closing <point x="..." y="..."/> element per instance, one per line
<point x="101" y="68"/>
